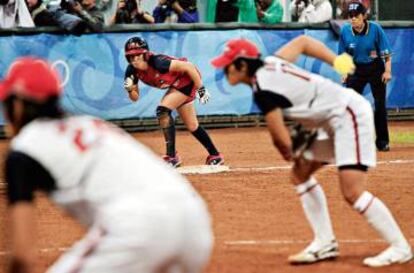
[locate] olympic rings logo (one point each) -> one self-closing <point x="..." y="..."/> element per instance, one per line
<point x="66" y="71"/>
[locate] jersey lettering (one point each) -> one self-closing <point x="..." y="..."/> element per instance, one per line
<point x="85" y="138"/>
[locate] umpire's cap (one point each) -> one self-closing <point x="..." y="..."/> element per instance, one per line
<point x="30" y="78"/>
<point x="356" y="8"/>
<point x="236" y="48"/>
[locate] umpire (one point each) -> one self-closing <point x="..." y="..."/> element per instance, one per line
<point x="369" y="46"/>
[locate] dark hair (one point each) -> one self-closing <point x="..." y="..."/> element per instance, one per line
<point x="252" y="64"/>
<point x="33" y="110"/>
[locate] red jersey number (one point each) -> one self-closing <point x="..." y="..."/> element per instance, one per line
<point x="85" y="139"/>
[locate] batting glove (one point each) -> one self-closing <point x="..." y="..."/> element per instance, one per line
<point x="203" y="95"/>
<point x="344" y="64"/>
<point x="129" y="83"/>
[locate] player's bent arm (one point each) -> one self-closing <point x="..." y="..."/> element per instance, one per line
<point x="189" y="69"/>
<point x="22" y="237"/>
<point x="307" y="46"/>
<point x="131" y="83"/>
<point x="279" y="133"/>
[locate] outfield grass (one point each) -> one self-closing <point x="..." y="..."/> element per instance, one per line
<point x="402" y="137"/>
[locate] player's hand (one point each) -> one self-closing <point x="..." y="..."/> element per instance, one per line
<point x="386" y="77"/>
<point x="344" y="78"/>
<point x="129" y="83"/>
<point x="203" y="95"/>
<point x="133" y="94"/>
<point x="344" y="64"/>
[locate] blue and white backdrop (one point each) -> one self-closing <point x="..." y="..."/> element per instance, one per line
<point x="92" y="67"/>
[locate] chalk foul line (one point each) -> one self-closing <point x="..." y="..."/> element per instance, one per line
<point x="241" y="243"/>
<point x="288" y="167"/>
<point x="294" y="242"/>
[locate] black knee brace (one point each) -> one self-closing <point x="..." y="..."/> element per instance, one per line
<point x="164" y="117"/>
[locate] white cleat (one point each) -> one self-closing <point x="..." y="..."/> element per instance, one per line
<point x="391" y="255"/>
<point x="313" y="254"/>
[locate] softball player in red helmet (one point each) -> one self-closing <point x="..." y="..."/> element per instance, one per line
<point x="148" y="221"/>
<point x="344" y="120"/>
<point x="183" y="82"/>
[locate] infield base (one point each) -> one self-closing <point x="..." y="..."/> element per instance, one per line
<point x="202" y="169"/>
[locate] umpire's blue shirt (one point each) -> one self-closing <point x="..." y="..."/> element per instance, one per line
<point x="371" y="43"/>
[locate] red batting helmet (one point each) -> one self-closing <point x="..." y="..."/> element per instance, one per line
<point x="135" y="46"/>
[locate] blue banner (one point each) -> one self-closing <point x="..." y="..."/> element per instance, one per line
<point x="92" y="67"/>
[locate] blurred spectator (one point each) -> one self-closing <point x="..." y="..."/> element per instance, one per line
<point x="186" y="11"/>
<point x="233" y="11"/>
<point x="77" y="16"/>
<point x="247" y="11"/>
<point x="60" y="9"/>
<point x="311" y="11"/>
<point x="222" y="11"/>
<point x="104" y="5"/>
<point x="88" y="12"/>
<point x="162" y="12"/>
<point x="131" y="12"/>
<point x="14" y="13"/>
<point x="40" y="15"/>
<point x="269" y="11"/>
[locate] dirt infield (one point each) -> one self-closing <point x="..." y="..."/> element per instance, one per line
<point x="258" y="220"/>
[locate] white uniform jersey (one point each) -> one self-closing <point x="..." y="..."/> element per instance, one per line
<point x="305" y="97"/>
<point x="317" y="102"/>
<point x="95" y="164"/>
<point x="142" y="215"/>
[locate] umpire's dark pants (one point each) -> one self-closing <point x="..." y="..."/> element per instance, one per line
<point x="372" y="73"/>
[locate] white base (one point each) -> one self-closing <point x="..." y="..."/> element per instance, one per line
<point x="202" y="169"/>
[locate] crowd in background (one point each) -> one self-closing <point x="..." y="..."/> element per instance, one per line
<point x="80" y="16"/>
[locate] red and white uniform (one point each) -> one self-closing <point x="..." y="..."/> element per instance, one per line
<point x="158" y="75"/>
<point x="344" y="117"/>
<point x="141" y="214"/>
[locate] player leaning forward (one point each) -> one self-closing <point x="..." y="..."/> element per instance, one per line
<point x="183" y="82"/>
<point x="147" y="220"/>
<point x="283" y="90"/>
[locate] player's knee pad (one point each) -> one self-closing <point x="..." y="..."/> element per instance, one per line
<point x="164" y="117"/>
